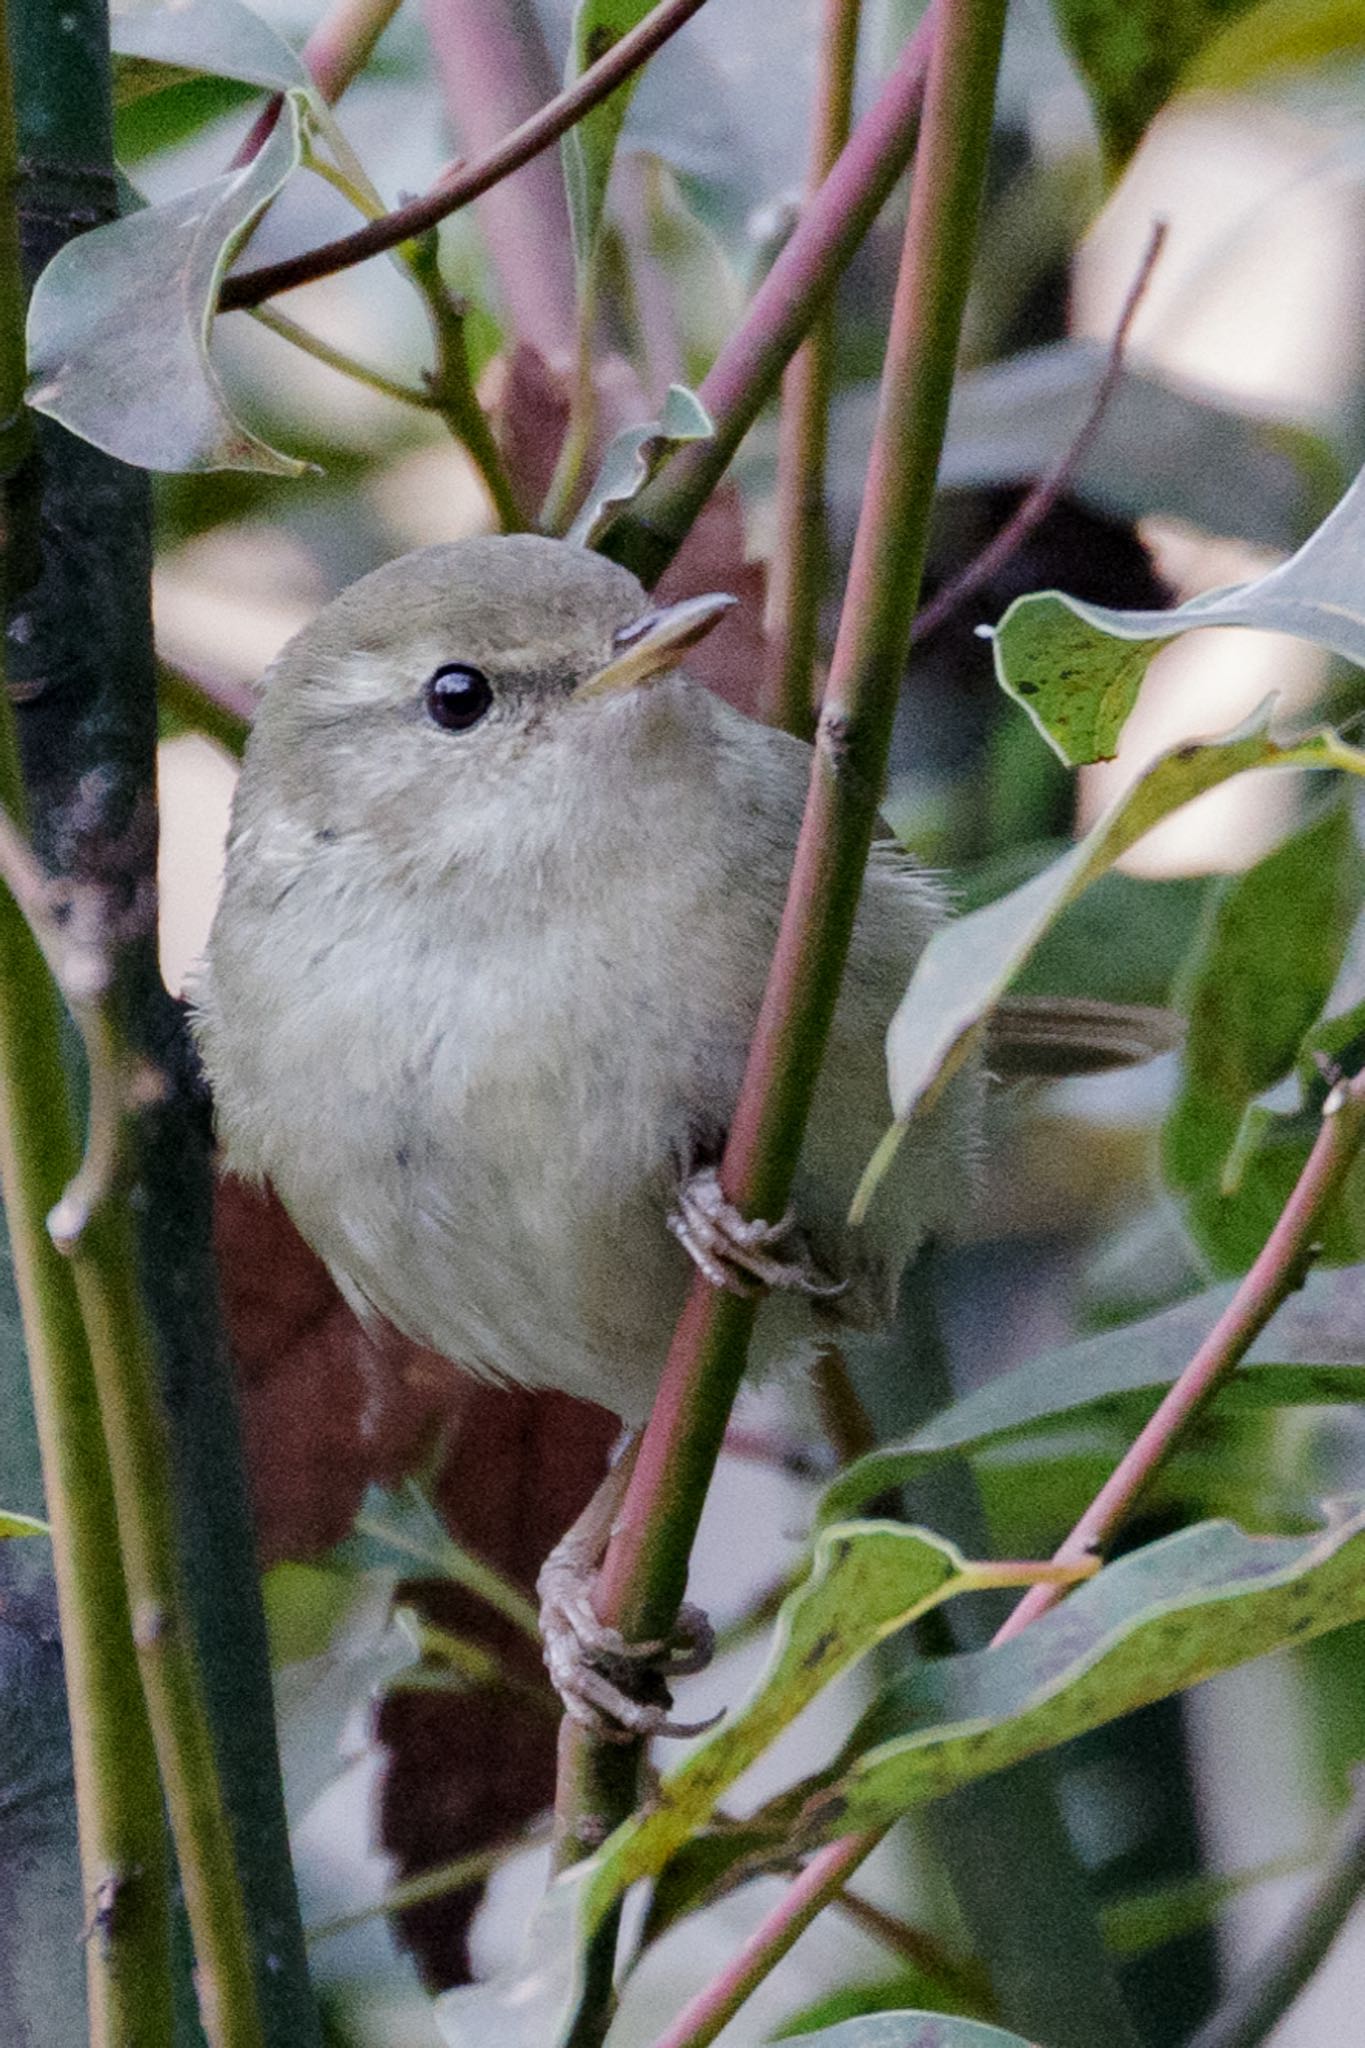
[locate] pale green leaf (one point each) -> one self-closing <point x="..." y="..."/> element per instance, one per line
<point x="1312" y="1353"/>
<point x="968" y="965"/>
<point x="590" y="145"/>
<point x="1076" y="668"/>
<point x="221" y="37"/>
<point x="633" y="456"/>
<point x="909" y="2030"/>
<point x="1153" y="1623"/>
<point x="12" y="1524"/>
<point x="118" y="326"/>
<point x="1274" y="38"/>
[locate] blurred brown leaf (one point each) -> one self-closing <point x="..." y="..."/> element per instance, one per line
<point x="330" y="1407"/>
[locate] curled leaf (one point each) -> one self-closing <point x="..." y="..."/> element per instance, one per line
<point x="221" y="37"/>
<point x="634" y="455"/>
<point x="118" y="326"/>
<point x="1076" y="668"/>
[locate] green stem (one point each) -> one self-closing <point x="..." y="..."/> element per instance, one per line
<point x="796" y="576"/>
<point x="340" y="46"/>
<point x="104" y="1263"/>
<point x="85" y="712"/>
<point x="645" y="1570"/>
<point x="452" y="387"/>
<point x="562" y="496"/>
<point x="1256" y="2005"/>
<point x="337" y="359"/>
<point x="125" y="1871"/>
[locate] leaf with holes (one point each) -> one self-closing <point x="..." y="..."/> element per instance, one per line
<point x="118" y="326"/>
<point x="1077" y="668"/>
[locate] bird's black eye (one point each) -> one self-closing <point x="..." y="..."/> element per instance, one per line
<point x="457" y="696"/>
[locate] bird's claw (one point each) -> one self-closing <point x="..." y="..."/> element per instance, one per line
<point x="616" y="1689"/>
<point x="734" y="1252"/>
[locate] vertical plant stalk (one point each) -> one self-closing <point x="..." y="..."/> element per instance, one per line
<point x="90" y="1223"/>
<point x="496" y="73"/>
<point x="81" y="659"/>
<point x="452" y="387"/>
<point x="645" y="1570"/>
<point x="749" y="368"/>
<point x="124" y="1865"/>
<point x="1276" y="1273"/>
<point x="796" y="577"/>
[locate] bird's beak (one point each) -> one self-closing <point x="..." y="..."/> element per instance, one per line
<point x="652" y="644"/>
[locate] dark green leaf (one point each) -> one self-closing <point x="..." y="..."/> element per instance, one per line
<point x="119" y="323"/>
<point x="1312" y="1353"/>
<point x="1261" y="972"/>
<point x="1131" y="54"/>
<point x="1158" y="1620"/>
<point x="968" y="965"/>
<point x="1076" y="668"/>
<point x="590" y="146"/>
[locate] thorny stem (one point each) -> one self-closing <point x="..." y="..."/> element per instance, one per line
<point x="468" y="181"/>
<point x="645" y="1569"/>
<point x="91" y="1225"/>
<point x="748" y="369"/>
<point x="1278" y="1270"/>
<point x="1045" y="493"/>
<point x="798" y="562"/>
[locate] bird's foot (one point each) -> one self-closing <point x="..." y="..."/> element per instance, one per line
<point x="733" y="1252"/>
<point x="616" y="1689"/>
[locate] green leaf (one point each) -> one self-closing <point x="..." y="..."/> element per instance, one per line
<point x="221" y="37"/>
<point x="118" y="326"/>
<point x="632" y="457"/>
<point x="590" y="146"/>
<point x="21" y="1525"/>
<point x="1264" y="966"/>
<point x="1277" y="37"/>
<point x="909" y="2030"/>
<point x="1076" y="668"/>
<point x="967" y="966"/>
<point x="1311" y="1353"/>
<point x="1155" y="1622"/>
<point x="1161" y="446"/>
<point x="1131" y="54"/>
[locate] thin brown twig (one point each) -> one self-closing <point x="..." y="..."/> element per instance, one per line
<point x="468" y="181"/>
<point x="1044" y="494"/>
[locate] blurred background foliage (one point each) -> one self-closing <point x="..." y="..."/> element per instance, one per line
<point x="1237" y="421"/>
